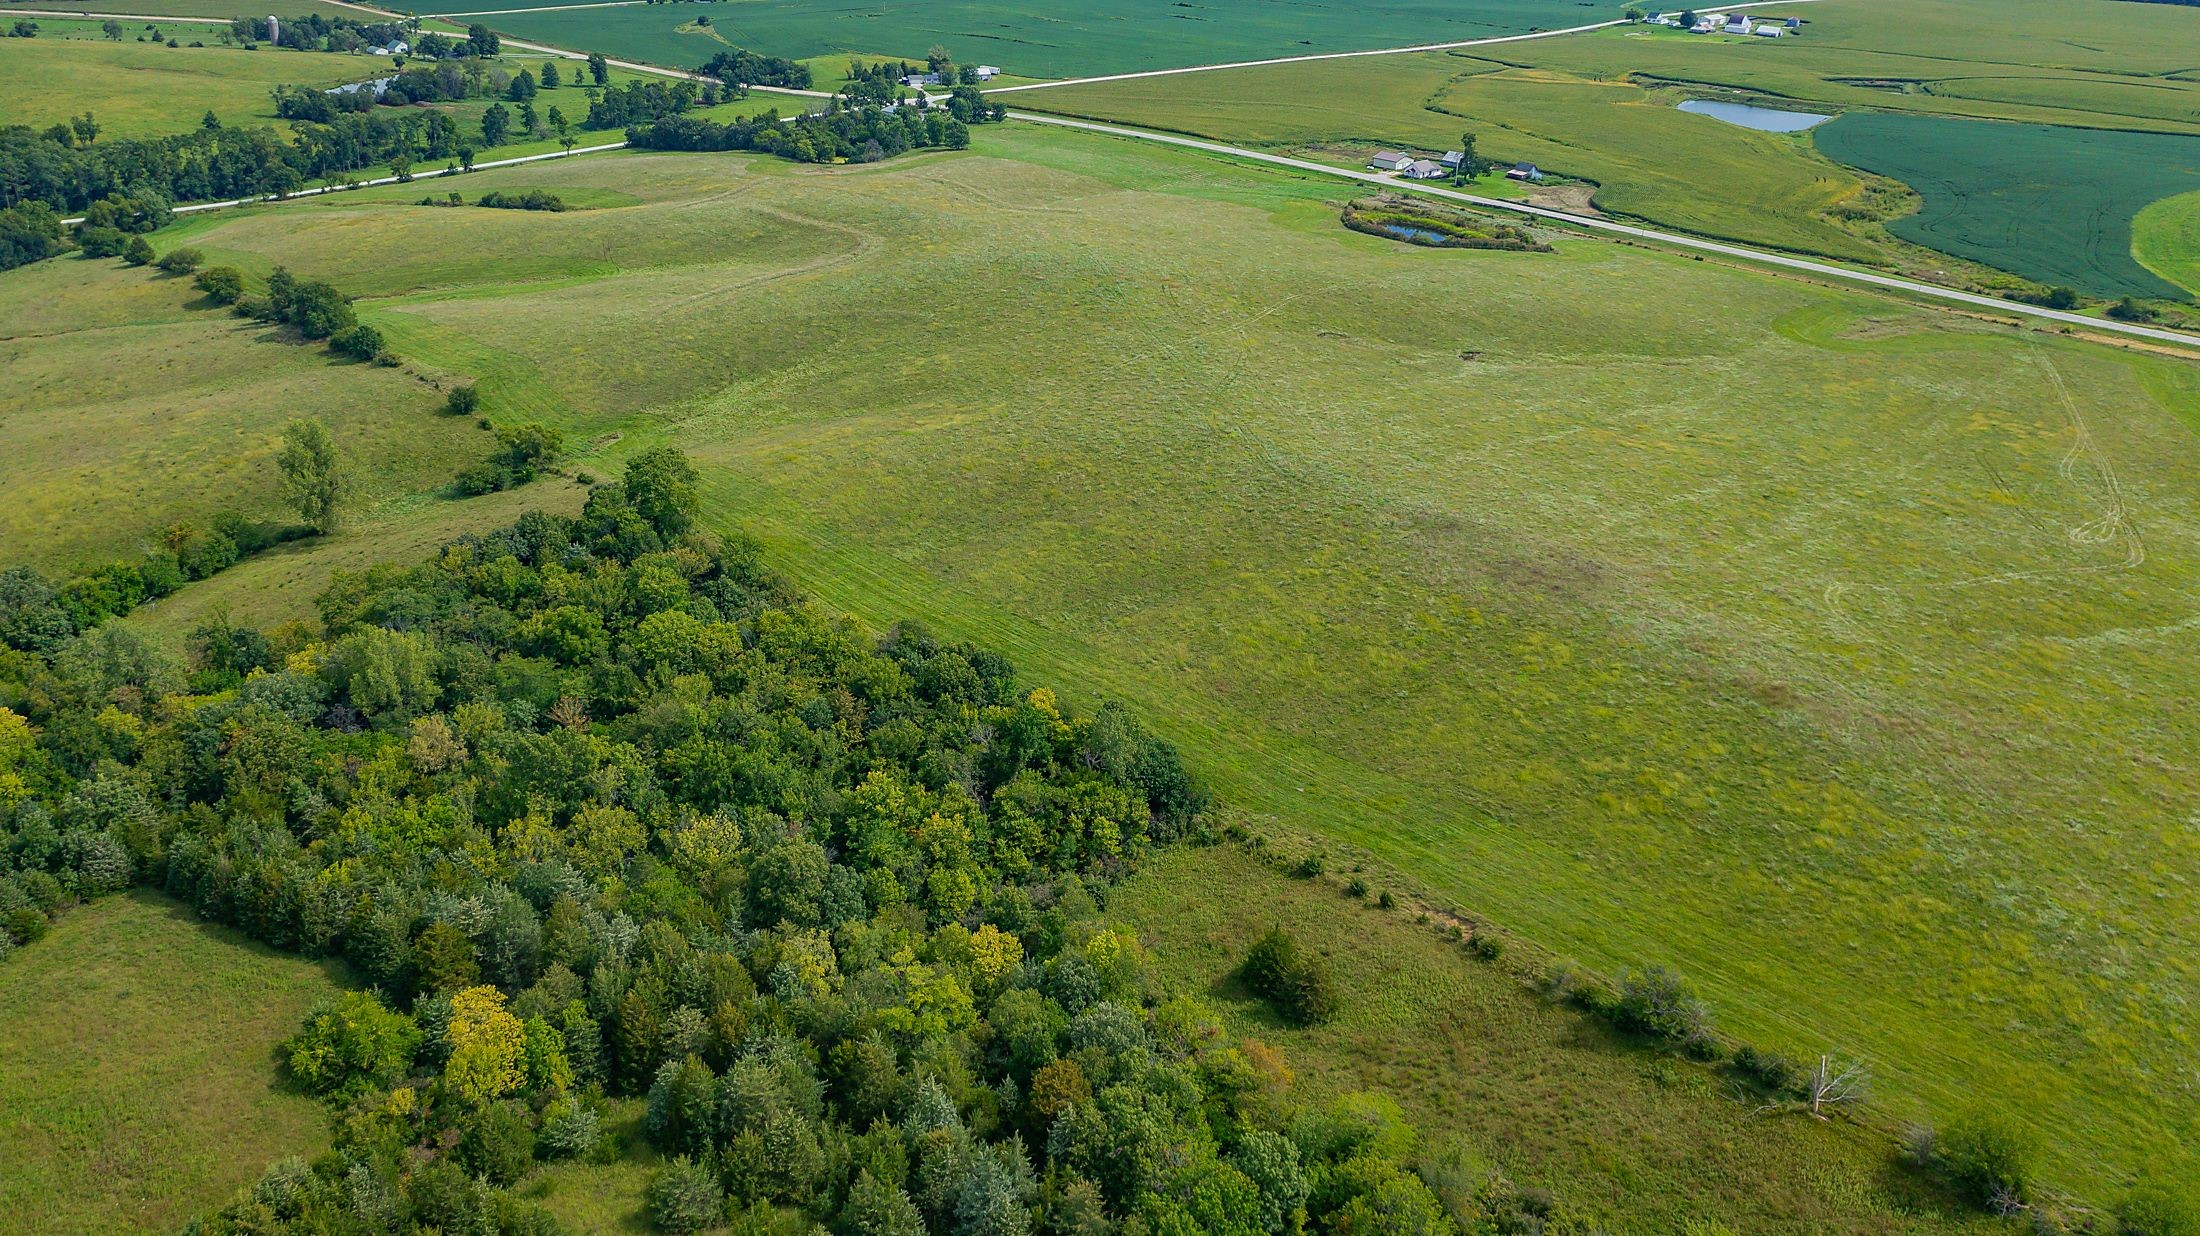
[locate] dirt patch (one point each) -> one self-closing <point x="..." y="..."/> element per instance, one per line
<point x="1573" y="199"/>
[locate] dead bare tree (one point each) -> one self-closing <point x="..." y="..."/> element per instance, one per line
<point x="1835" y="1085"/>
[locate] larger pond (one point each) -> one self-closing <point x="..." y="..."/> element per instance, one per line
<point x="1766" y="119"/>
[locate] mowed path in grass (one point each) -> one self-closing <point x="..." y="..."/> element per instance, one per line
<point x="140" y="1081"/>
<point x="1661" y="611"/>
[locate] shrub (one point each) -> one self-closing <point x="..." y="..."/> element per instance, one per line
<point x="684" y="1196"/>
<point x="1309" y="867"/>
<point x="461" y="401"/>
<point x="529" y="199"/>
<point x="499" y="1143"/>
<point x="2130" y="310"/>
<point x="2154" y="1208"/>
<point x="1486" y="946"/>
<point x="358" y="341"/>
<point x="1356" y="887"/>
<point x="570" y="1130"/>
<point x="223" y="285"/>
<point x="101" y="241"/>
<point x="1384" y="900"/>
<point x="1658" y="1004"/>
<point x="138" y="252"/>
<point x="1988" y="1156"/>
<point x="1297" y="984"/>
<point x="1769" y="1071"/>
<point x="180" y="261"/>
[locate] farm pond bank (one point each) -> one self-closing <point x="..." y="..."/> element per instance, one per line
<point x="1763" y="119"/>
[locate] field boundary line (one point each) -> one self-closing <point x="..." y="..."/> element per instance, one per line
<point x="1597" y="224"/>
<point x="1351" y="55"/>
<point x="325" y="190"/>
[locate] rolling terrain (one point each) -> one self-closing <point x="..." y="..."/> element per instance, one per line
<point x="1523" y="575"/>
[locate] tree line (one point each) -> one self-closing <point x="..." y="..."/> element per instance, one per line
<point x="855" y="134"/>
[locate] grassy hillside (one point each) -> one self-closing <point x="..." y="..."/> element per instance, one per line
<point x="149" y="89"/>
<point x="1489" y="1069"/>
<point x="140" y="1086"/>
<point x="1658" y="610"/>
<point x="224" y="9"/>
<point x="134" y="403"/>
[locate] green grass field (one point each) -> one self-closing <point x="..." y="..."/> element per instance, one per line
<point x="1053" y="39"/>
<point x="132" y="403"/>
<point x="1484" y="1065"/>
<point x="140" y="1082"/>
<point x="1822" y="646"/>
<point x="2053" y="204"/>
<point x="2166" y="239"/>
<point x="150" y="89"/>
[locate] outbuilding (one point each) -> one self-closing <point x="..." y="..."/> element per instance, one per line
<point x="1770" y="31"/>
<point x="1453" y="158"/>
<point x="1524" y="171"/>
<point x="1389" y="160"/>
<point x="987" y="72"/>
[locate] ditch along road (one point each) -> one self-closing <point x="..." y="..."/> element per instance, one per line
<point x="1594" y="224"/>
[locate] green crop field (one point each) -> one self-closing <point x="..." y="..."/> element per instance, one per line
<point x="1053" y="39"/>
<point x="149" y="89"/>
<point x="2166" y="239"/>
<point x="1481" y="1064"/>
<point x="1823" y="646"/>
<point x="140" y="1086"/>
<point x="2053" y="204"/>
<point x="1646" y="158"/>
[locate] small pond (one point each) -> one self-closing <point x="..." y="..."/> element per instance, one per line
<point x="1767" y="119"/>
<point x="1421" y="234"/>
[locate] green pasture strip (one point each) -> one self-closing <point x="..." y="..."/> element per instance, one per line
<point x="141" y="1084"/>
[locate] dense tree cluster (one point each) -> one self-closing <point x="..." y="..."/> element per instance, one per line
<point x="742" y="67"/>
<point x="859" y="135"/>
<point x="640" y="102"/>
<point x="598" y="805"/>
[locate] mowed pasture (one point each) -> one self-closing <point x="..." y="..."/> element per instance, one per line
<point x="1825" y="647"/>
<point x="132" y="403"/>
<point x="2053" y="204"/>
<point x="150" y="89"/>
<point x="1646" y="158"/>
<point x="2166" y="239"/>
<point x="1497" y="1077"/>
<point x="1055" y="38"/>
<point x="142" y="1085"/>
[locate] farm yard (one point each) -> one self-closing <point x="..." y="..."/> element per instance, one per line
<point x="2053" y="204"/>
<point x="1693" y="698"/>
